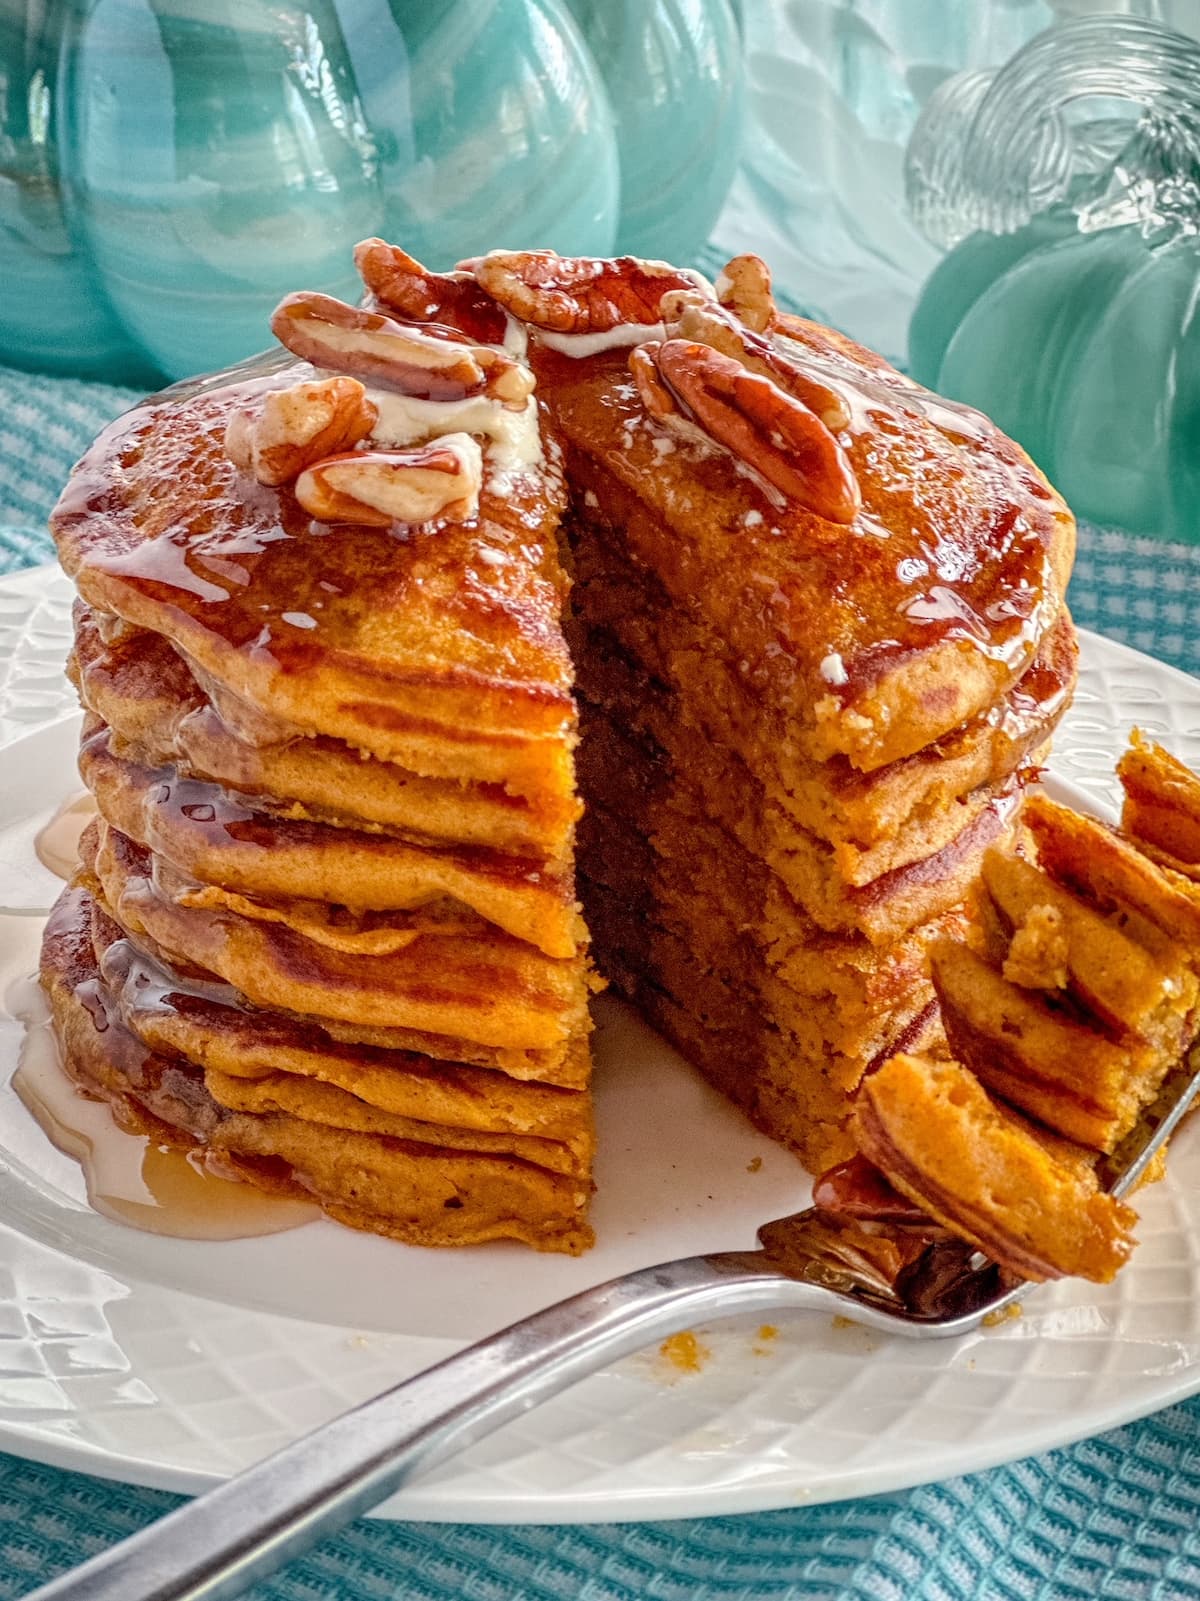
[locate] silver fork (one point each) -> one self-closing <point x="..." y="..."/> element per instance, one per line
<point x="218" y="1545"/>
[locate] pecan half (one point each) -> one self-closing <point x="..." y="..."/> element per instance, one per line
<point x="395" y="355"/>
<point x="380" y="487"/>
<point x="453" y="300"/>
<point x="578" y="294"/>
<point x="744" y="285"/>
<point x="691" y="317"/>
<point x="298" y="426"/>
<point x="772" y="433"/>
<point x="655" y="396"/>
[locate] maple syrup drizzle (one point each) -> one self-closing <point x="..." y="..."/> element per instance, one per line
<point x="57" y="842"/>
<point x="132" y="1178"/>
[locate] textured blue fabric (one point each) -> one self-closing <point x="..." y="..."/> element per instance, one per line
<point x="1117" y="1517"/>
<point x="44" y="426"/>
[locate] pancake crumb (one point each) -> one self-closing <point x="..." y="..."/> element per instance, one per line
<point x="684" y="1351"/>
<point x="754" y="1164"/>
<point x="1037" y="956"/>
<point x="766" y="1334"/>
<point x="1003" y="1314"/>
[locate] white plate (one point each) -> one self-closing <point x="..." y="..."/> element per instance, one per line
<point x="174" y="1363"/>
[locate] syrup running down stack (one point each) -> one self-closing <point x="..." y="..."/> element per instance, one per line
<point x="819" y="634"/>
<point x="326" y="925"/>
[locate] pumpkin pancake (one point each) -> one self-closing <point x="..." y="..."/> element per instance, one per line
<point x="985" y="1175"/>
<point x="646" y="662"/>
<point x="136" y="970"/>
<point x="329" y="1146"/>
<point x="328" y="645"/>
<point x="447" y="977"/>
<point x="1078" y="995"/>
<point x="207" y="1024"/>
<point x="640" y="781"/>
<point x="217" y="836"/>
<point x="870" y="638"/>
<point x="1162" y="804"/>
<point x="441" y="651"/>
<point x="159" y="717"/>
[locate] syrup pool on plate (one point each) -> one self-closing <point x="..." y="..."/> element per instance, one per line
<point x="56" y="843"/>
<point x="131" y="1178"/>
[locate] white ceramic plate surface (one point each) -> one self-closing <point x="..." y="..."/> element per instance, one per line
<point x="174" y="1363"/>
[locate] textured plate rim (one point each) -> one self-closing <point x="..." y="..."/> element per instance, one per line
<point x="438" y="1503"/>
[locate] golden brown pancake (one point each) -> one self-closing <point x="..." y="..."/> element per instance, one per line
<point x="1076" y="999"/>
<point x="473" y="983"/>
<point x="136" y="970"/>
<point x="1113" y="871"/>
<point x="988" y="1177"/>
<point x="1162" y="804"/>
<point x="819" y="635"/>
<point x="440" y="650"/>
<point x="331" y="1147"/>
<point x="800" y="871"/>
<point x="215" y="835"/>
<point x="934" y="600"/>
<point x="160" y="717"/>
<point x="235" y="1042"/>
<point x="646" y="661"/>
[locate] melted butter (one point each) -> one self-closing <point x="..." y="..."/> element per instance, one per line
<point x="625" y="334"/>
<point x="57" y="842"/>
<point x="622" y="337"/>
<point x="132" y="1178"/>
<point x="514" y="437"/>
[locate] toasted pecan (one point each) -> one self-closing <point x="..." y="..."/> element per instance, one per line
<point x="692" y="317"/>
<point x="751" y="416"/>
<point x="578" y="294"/>
<point x="744" y="286"/>
<point x="380" y="487"/>
<point x="299" y="425"/>
<point x="396" y="355"/>
<point x="452" y="300"/>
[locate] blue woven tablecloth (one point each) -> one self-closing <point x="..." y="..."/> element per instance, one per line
<point x="1115" y="1517"/>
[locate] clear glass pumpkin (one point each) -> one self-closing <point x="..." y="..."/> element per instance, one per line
<point x="1068" y="189"/>
<point x="169" y="168"/>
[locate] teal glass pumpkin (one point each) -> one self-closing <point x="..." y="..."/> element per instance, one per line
<point x="673" y="69"/>
<point x="1067" y="310"/>
<point x="169" y="169"/>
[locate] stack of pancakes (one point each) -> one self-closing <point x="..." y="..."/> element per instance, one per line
<point x="798" y="741"/>
<point x="325" y="925"/>
<point x="818" y="631"/>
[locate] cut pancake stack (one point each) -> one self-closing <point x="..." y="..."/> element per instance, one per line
<point x="792" y="760"/>
<point x="325" y="925"/>
<point x="818" y="631"/>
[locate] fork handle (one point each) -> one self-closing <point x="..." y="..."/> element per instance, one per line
<point x="218" y="1545"/>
